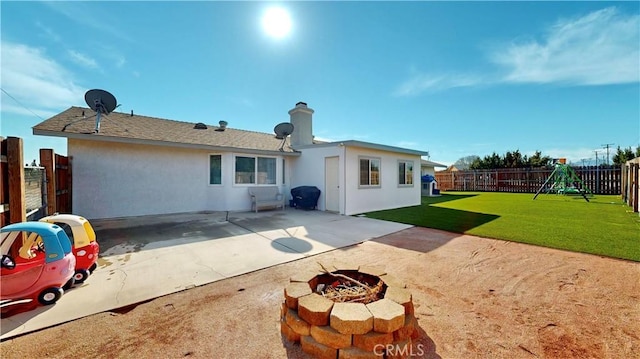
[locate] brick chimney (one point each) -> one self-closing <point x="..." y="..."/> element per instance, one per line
<point x="301" y="119"/>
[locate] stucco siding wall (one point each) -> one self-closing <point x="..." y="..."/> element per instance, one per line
<point x="120" y="180"/>
<point x="389" y="194"/>
<point x="308" y="170"/>
<point x="426" y="170"/>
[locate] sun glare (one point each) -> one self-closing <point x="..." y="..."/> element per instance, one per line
<point x="276" y="22"/>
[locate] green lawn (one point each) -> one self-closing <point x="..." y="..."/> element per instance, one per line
<point x="604" y="226"/>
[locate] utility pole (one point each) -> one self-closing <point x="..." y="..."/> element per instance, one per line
<point x="606" y="146"/>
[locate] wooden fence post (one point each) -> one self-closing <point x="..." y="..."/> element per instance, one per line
<point x="4" y="182"/>
<point x="635" y="173"/>
<point x="15" y="162"/>
<point x="47" y="160"/>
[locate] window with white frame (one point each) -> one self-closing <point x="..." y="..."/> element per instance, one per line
<point x="369" y="172"/>
<point x="255" y="170"/>
<point x="215" y="169"/>
<point x="405" y="173"/>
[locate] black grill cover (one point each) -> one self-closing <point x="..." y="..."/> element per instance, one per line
<point x="305" y="197"/>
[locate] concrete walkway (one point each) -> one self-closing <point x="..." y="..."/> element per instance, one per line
<point x="146" y="257"/>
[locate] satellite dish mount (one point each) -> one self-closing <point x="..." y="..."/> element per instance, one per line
<point x="102" y="102"/>
<point x="283" y="130"/>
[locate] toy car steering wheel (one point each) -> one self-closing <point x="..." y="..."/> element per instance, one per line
<point x="7" y="262"/>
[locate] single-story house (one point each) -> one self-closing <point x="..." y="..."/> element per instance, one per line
<point x="139" y="165"/>
<point x="429" y="167"/>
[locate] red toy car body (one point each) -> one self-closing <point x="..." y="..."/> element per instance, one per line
<point x="37" y="263"/>
<point x="83" y="240"/>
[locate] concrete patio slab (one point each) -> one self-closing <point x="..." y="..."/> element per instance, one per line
<point x="147" y="257"/>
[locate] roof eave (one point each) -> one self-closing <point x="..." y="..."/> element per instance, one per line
<point x="368" y="145"/>
<point x="81" y="136"/>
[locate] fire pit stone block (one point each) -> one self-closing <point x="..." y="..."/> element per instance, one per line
<point x="315" y="309"/>
<point x="409" y="329"/>
<point x="373" y="270"/>
<point x="330" y="337"/>
<point x="356" y="353"/>
<point x="344" y="329"/>
<point x="372" y="340"/>
<point x="351" y="318"/>
<point x="320" y="351"/>
<point x="388" y="315"/>
<point x="392" y="281"/>
<point x="289" y="333"/>
<point x="346" y="267"/>
<point x="303" y="277"/>
<point x="400" y="296"/>
<point x="296" y="323"/>
<point x="401" y="350"/>
<point x="295" y="291"/>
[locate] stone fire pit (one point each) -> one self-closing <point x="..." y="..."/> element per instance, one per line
<point x="381" y="325"/>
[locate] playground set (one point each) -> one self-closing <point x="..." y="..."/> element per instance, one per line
<point x="565" y="181"/>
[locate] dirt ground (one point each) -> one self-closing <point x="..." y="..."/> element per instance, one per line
<point x="474" y="298"/>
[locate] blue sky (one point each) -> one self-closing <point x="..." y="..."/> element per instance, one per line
<point x="451" y="78"/>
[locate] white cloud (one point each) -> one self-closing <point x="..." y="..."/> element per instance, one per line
<point x="82" y="59"/>
<point x="420" y="82"/>
<point x="81" y="13"/>
<point x="48" y="33"/>
<point x="10" y="106"/>
<point x="112" y="55"/>
<point x="600" y="48"/>
<point x="36" y="81"/>
<point x="120" y="61"/>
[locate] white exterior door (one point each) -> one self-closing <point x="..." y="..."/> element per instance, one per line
<point x="332" y="184"/>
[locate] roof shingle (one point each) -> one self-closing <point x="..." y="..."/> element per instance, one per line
<point x="127" y="128"/>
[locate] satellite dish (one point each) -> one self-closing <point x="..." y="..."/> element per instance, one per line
<point x="283" y="130"/>
<point x="102" y="102"/>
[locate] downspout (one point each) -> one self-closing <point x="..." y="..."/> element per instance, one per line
<point x="344" y="179"/>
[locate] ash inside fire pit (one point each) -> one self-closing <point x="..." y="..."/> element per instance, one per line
<point x="350" y="287"/>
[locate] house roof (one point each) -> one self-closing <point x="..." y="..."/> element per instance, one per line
<point x="123" y="127"/>
<point x="431" y="163"/>
<point x="368" y="145"/>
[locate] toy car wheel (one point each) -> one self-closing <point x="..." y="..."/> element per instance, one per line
<point x="81" y="275"/>
<point x="50" y="295"/>
<point x="70" y="283"/>
<point x="93" y="267"/>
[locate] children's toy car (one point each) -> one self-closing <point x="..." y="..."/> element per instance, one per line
<point x="83" y="240"/>
<point x="37" y="263"/>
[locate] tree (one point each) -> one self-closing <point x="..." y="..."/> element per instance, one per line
<point x="465" y="162"/>
<point x="511" y="159"/>
<point x="625" y="155"/>
<point x="537" y="160"/>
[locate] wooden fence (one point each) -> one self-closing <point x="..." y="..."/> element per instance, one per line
<point x="600" y="180"/>
<point x="4" y="181"/>
<point x="631" y="183"/>
<point x="13" y="182"/>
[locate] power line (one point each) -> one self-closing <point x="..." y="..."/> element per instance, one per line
<point x="606" y="146"/>
<point x="19" y="103"/>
